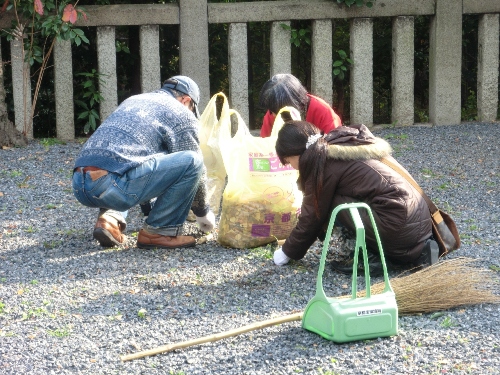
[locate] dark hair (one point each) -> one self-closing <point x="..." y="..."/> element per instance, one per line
<point x="292" y="140"/>
<point x="283" y="90"/>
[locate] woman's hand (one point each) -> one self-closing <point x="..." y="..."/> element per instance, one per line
<point x="280" y="258"/>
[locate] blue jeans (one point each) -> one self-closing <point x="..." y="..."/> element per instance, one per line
<point x="171" y="178"/>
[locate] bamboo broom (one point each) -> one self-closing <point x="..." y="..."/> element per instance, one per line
<point x="447" y="284"/>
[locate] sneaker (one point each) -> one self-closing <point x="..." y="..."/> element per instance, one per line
<point x="108" y="234"/>
<point x="346" y="266"/>
<point x="430" y="254"/>
<point x="146" y="240"/>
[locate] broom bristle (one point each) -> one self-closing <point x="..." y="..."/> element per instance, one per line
<point x="444" y="285"/>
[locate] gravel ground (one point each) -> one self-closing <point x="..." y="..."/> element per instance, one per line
<point x="68" y="306"/>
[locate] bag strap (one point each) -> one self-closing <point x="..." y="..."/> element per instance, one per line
<point x="278" y="121"/>
<point x="436" y="215"/>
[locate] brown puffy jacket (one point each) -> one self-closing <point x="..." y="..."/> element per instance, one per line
<point x="354" y="173"/>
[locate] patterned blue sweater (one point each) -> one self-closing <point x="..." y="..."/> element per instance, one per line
<point x="141" y="127"/>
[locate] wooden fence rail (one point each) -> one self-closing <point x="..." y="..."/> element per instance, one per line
<point x="194" y="16"/>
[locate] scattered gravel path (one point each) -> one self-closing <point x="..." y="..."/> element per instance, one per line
<point x="68" y="306"/>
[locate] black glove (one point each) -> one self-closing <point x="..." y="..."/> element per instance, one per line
<point x="146" y="208"/>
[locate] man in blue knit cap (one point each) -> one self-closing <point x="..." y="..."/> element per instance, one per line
<point x="147" y="149"/>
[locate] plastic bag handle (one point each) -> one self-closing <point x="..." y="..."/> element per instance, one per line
<point x="278" y="121"/>
<point x="232" y="145"/>
<point x="212" y="106"/>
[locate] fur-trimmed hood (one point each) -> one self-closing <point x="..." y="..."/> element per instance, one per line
<point x="356" y="142"/>
<point x="353" y="172"/>
<point x="377" y="150"/>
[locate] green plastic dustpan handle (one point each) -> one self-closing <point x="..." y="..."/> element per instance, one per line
<point x="360" y="242"/>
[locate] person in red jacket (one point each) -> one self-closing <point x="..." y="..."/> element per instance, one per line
<point x="284" y="90"/>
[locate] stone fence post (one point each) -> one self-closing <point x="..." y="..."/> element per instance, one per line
<point x="150" y="58"/>
<point x="194" y="59"/>
<point x="403" y="70"/>
<point x="106" y="61"/>
<point x="445" y="63"/>
<point x="487" y="72"/>
<point x="21" y="88"/>
<point x="238" y="69"/>
<point x="361" y="44"/>
<point x="63" y="90"/>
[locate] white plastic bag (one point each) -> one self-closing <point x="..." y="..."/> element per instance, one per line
<point x="209" y="143"/>
<point x="261" y="201"/>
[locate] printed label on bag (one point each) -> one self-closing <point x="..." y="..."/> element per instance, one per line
<point x="275" y="221"/>
<point x="260" y="163"/>
<point x="259" y="230"/>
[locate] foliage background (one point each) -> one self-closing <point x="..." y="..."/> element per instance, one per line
<point x="85" y="59"/>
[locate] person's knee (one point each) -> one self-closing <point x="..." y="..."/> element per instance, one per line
<point x="196" y="160"/>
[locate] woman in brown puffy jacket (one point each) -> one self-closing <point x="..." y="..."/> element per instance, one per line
<point x="345" y="166"/>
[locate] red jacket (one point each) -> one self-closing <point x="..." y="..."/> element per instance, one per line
<point x="319" y="113"/>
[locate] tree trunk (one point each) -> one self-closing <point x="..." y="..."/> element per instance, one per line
<point x="9" y="135"/>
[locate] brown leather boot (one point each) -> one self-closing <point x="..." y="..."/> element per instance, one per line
<point x="108" y="233"/>
<point x="147" y="240"/>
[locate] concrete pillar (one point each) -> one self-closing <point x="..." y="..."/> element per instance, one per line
<point x="106" y="62"/>
<point x="487" y="72"/>
<point x="321" y="61"/>
<point x="361" y="51"/>
<point x="149" y="37"/>
<point x="63" y="88"/>
<point x="445" y="63"/>
<point x="21" y="89"/>
<point x="281" y="49"/>
<point x="403" y="50"/>
<point x="238" y="69"/>
<point x="194" y="59"/>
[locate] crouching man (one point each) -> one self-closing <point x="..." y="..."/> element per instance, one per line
<point x="147" y="148"/>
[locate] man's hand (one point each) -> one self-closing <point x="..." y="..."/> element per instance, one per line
<point x="207" y="222"/>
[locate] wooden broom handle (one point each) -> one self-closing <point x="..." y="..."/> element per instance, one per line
<point x="214" y="337"/>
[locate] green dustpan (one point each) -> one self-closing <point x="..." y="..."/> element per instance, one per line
<point x="355" y="318"/>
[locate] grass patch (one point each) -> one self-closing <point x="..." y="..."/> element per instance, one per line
<point x="34" y="313"/>
<point x="59" y="333"/>
<point x="448" y="322"/>
<point x="402" y="137"/>
<point x="426" y="172"/>
<point x="262" y="252"/>
<point x="52" y="244"/>
<point x="47" y="142"/>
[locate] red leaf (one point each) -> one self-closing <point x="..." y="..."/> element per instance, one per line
<point x="83" y="14"/>
<point x="39" y="7"/>
<point x="69" y="14"/>
<point x="4" y="6"/>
